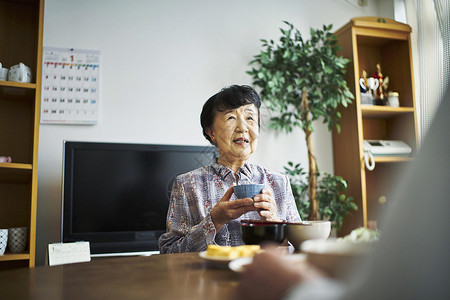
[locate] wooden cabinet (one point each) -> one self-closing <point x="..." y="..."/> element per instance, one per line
<point x="369" y="41"/>
<point x="21" y="28"/>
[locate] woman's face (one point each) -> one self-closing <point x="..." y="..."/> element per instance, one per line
<point x="235" y="132"/>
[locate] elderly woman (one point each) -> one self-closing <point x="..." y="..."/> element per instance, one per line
<point x="203" y="209"/>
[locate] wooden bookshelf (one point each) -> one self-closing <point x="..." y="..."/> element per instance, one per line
<point x="21" y="27"/>
<point x="369" y="41"/>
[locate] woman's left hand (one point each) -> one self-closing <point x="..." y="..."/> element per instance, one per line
<point x="267" y="207"/>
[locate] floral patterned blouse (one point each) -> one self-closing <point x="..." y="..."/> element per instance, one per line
<point x="194" y="194"/>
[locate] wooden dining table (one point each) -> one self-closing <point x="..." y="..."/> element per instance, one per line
<point x="161" y="276"/>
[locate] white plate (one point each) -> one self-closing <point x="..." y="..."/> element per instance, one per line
<point x="239" y="264"/>
<point x="217" y="259"/>
<point x="336" y="247"/>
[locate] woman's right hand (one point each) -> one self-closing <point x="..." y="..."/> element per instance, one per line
<point x="226" y="210"/>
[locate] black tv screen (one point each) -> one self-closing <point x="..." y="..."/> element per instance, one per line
<point x="116" y="195"/>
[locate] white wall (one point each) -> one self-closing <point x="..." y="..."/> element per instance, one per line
<point x="161" y="60"/>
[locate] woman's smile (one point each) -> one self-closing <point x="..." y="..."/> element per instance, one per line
<point x="241" y="141"/>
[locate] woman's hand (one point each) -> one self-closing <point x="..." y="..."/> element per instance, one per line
<point x="266" y="205"/>
<point x="226" y="210"/>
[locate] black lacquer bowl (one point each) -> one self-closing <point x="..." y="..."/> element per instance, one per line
<point x="257" y="232"/>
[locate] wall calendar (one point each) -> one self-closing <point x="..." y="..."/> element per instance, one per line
<point x="70" y="86"/>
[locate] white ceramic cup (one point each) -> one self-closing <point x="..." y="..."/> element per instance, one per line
<point x="3" y="240"/>
<point x="373" y="83"/>
<point x="17" y="239"/>
<point x="19" y="73"/>
<point x="3" y="74"/>
<point x="393" y="99"/>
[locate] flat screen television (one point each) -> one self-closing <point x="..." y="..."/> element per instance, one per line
<point x="116" y="195"/>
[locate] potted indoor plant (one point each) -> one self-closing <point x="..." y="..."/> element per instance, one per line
<point x="333" y="203"/>
<point x="303" y="81"/>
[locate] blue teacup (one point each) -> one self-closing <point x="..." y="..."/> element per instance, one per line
<point x="247" y="190"/>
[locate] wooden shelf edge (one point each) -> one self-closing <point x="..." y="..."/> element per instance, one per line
<point x="374" y="23"/>
<point x="380" y="23"/>
<point x="14" y="256"/>
<point x="368" y="111"/>
<point x="387" y="159"/>
<point x="18" y="84"/>
<point x="16" y="166"/>
<point x="377" y="108"/>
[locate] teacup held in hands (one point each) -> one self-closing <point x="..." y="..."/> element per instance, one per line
<point x="247" y="190"/>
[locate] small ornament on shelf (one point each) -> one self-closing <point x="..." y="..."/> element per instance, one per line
<point x="393" y="99"/>
<point x="5" y="159"/>
<point x="368" y="86"/>
<point x="381" y="91"/>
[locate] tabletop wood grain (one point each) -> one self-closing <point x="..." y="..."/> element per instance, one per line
<point x="165" y="276"/>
